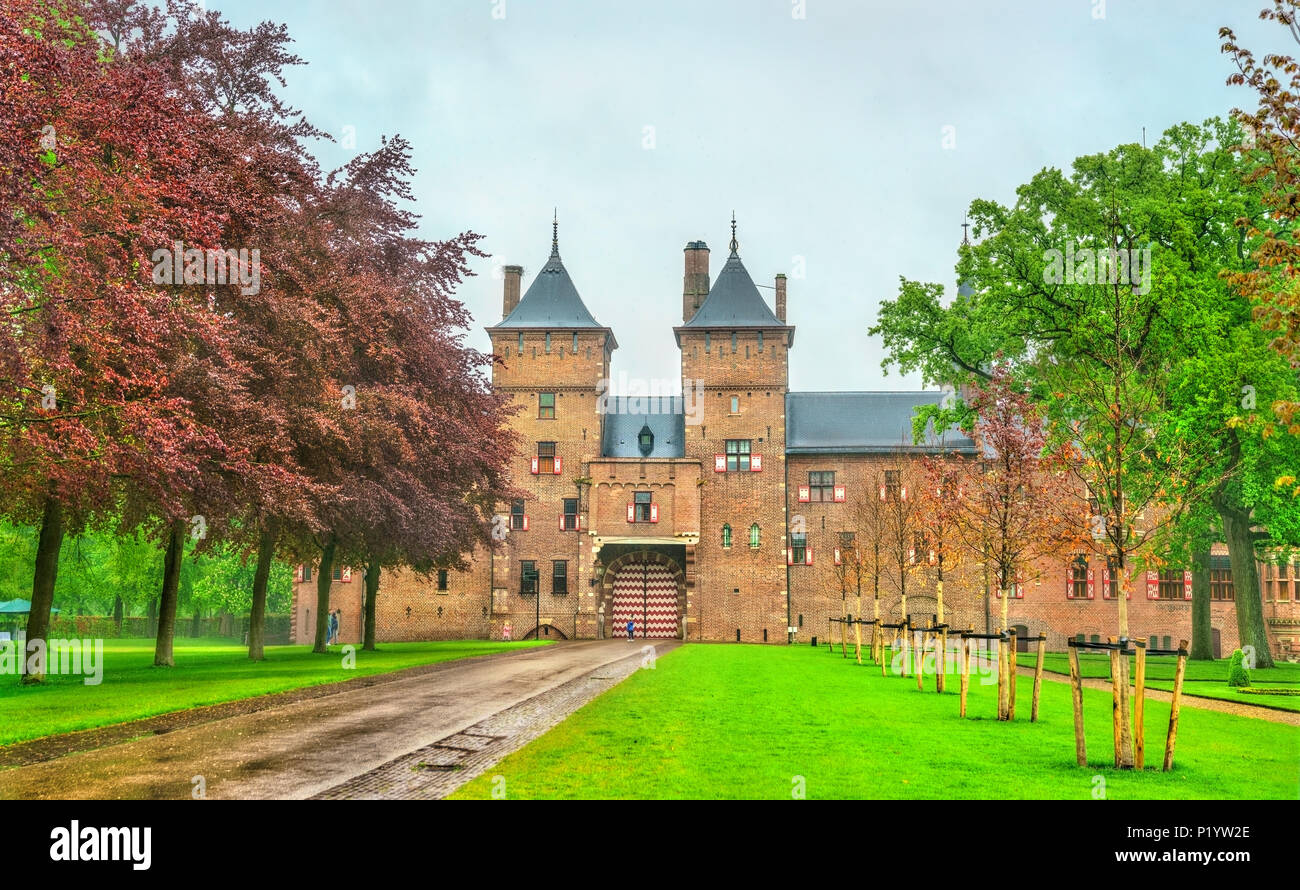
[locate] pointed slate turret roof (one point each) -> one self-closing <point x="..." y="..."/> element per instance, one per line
<point x="552" y="301"/>
<point x="734" y="300"/>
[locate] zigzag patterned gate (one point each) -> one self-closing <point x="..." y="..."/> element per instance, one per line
<point x="645" y="593"/>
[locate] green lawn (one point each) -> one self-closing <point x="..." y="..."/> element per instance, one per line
<point x="206" y="673"/>
<point x="1204" y="678"/>
<point x="727" y="721"/>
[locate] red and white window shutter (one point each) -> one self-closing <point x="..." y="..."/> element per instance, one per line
<point x="525" y="527"/>
<point x="631" y="512"/>
<point x="719" y="463"/>
<point x="839" y="494"/>
<point x="346" y="575"/>
<point x="756" y="463"/>
<point x="1153" y="585"/>
<point x="559" y="462"/>
<point x="1187" y="584"/>
<point x="805" y="494"/>
<point x="838" y="561"/>
<point x="807" y="555"/>
<point x="789" y="556"/>
<point x="534" y="466"/>
<point x="1092" y="584"/>
<point x="298" y="575"/>
<point x="654" y="512"/>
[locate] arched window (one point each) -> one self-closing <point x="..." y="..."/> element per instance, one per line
<point x="726" y="536"/>
<point x="754" y="536"/>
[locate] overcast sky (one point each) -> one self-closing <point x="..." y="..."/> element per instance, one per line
<point x="822" y="124"/>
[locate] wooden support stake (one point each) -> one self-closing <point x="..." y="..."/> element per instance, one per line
<point x="907" y="655"/>
<point x="1038" y="680"/>
<point x="1076" y="694"/>
<point x="1002" y="678"/>
<point x="965" y="673"/>
<point x="1139" y="701"/>
<point x="941" y="667"/>
<point x="1011" y="676"/>
<point x="1114" y="709"/>
<point x="920" y="661"/>
<point x="857" y="635"/>
<point x="1172" y="738"/>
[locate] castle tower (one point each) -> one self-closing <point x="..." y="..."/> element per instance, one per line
<point x="735" y="373"/>
<point x="554" y="364"/>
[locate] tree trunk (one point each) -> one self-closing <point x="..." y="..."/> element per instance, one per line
<point x="151" y="614"/>
<point x="117" y="613"/>
<point x="1202" y="637"/>
<point x="196" y="623"/>
<point x="46" y="572"/>
<point x="324" y="577"/>
<point x="372" y="592"/>
<point x="257" y="615"/>
<point x="163" y="655"/>
<point x="1245" y="581"/>
<point x="1125" y="718"/>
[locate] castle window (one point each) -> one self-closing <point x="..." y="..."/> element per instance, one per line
<point x="559" y="576"/>
<point x="737" y="455"/>
<point x="338" y="573"/>
<point x="548" y="341"/>
<point x="893" y="484"/>
<point x="760" y="341"/>
<point x="1112" y="589"/>
<point x="735" y="404"/>
<point x="821" y="485"/>
<point x="1221" y="579"/>
<point x="521" y="343"/>
<point x="1079" y="578"/>
<point x="442" y="579"/>
<point x="546" y="457"/>
<point x="733" y="342"/>
<point x="575" y="344"/>
<point x="517" y="518"/>
<point x="546" y="405"/>
<point x="754" y="534"/>
<point x="799" y="547"/>
<point x="306" y="573"/>
<point x="641" y="506"/>
<point x="726" y="536"/>
<point x="570" y="514"/>
<point x="707" y="341"/>
<point x="1171" y="584"/>
<point x="527" y="576"/>
<point x="645" y="440"/>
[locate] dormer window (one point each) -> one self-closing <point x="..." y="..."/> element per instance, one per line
<point x="645" y="440"/>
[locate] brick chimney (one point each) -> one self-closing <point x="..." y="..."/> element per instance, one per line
<point x="513" y="276"/>
<point x="780" y="298"/>
<point x="695" y="283"/>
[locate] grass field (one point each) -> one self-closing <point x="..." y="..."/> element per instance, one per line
<point x="1205" y="678"/>
<point x="206" y="673"/>
<point x="727" y="721"/>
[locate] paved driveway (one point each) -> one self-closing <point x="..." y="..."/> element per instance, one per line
<point x="307" y="747"/>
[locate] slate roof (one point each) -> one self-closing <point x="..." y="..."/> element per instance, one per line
<point x="861" y="423"/>
<point x="625" y="418"/>
<point x="734" y="301"/>
<point x="551" y="301"/>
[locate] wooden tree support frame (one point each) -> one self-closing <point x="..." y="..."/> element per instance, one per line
<point x="966" y="637"/>
<point x="1119" y="648"/>
<point x="884" y="661"/>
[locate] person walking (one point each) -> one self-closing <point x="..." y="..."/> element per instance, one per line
<point x="334" y="626"/>
<point x="631" y="630"/>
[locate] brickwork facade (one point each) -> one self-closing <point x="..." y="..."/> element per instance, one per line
<point x="720" y="517"/>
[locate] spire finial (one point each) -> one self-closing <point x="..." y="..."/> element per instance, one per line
<point x="734" y="246"/>
<point x="555" y="232"/>
<point x="965" y="239"/>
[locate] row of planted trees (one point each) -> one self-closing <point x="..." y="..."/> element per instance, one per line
<point x="208" y="338"/>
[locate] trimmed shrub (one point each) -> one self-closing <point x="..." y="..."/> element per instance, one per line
<point x="1237" y="673"/>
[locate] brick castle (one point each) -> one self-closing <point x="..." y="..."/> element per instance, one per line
<point x="722" y="511"/>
